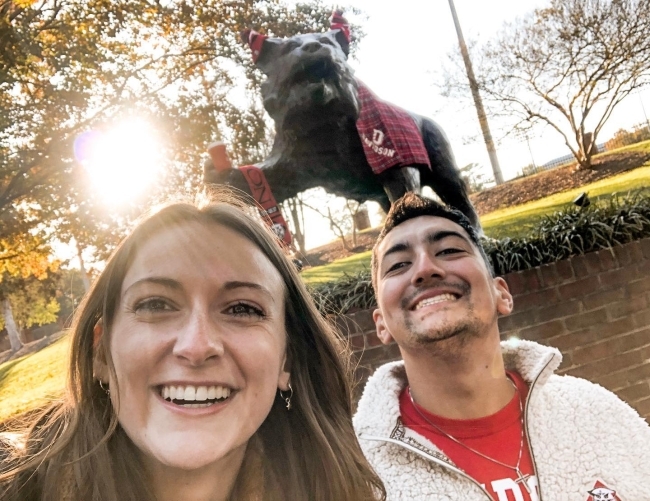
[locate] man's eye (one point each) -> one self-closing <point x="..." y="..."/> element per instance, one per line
<point x="152" y="305"/>
<point x="396" y="266"/>
<point x="451" y="250"/>
<point x="246" y="310"/>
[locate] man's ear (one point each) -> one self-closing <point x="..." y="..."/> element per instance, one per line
<point x="100" y="364"/>
<point x="504" y="299"/>
<point x="383" y="333"/>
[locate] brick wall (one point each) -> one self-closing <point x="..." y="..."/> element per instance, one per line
<point x="595" y="308"/>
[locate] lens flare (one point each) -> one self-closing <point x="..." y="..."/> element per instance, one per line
<point x="122" y="162"/>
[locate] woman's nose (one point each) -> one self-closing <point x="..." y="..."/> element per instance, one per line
<point x="199" y="339"/>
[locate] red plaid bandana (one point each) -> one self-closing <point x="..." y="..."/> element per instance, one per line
<point x="389" y="135"/>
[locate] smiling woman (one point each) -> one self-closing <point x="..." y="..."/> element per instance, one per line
<point x="200" y="370"/>
<point x="122" y="161"/>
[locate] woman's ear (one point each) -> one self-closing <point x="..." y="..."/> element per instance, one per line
<point x="285" y="375"/>
<point x="100" y="364"/>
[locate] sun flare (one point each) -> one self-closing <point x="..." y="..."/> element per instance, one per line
<point x="121" y="162"/>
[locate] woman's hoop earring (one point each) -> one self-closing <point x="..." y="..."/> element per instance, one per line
<point x="287" y="399"/>
<point x="106" y="390"/>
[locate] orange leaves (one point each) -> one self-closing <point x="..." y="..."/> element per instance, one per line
<point x="24" y="257"/>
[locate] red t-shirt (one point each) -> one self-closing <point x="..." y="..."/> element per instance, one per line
<point x="497" y="436"/>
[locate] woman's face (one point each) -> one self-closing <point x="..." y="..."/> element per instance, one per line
<point x="198" y="343"/>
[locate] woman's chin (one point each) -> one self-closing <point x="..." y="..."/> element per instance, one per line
<point x="196" y="456"/>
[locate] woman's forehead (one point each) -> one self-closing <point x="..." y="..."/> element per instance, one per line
<point x="198" y="250"/>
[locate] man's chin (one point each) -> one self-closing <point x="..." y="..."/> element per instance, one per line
<point x="449" y="338"/>
<point x="429" y="338"/>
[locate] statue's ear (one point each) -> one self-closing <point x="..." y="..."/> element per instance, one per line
<point x="269" y="53"/>
<point x="264" y="50"/>
<point x="341" y="27"/>
<point x="342" y="40"/>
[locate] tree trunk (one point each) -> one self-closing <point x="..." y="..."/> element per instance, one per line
<point x="587" y="150"/>
<point x="84" y="274"/>
<point x="298" y="217"/>
<point x="337" y="230"/>
<point x="10" y="325"/>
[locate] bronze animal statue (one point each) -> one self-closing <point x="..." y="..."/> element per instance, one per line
<point x="317" y="105"/>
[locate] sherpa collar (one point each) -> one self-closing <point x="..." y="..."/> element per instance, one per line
<point x="533" y="361"/>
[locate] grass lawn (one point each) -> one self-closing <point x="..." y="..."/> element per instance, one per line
<point x="36" y="379"/>
<point x="33" y="380"/>
<point x="514" y="221"/>
<point x="509" y="222"/>
<point x="329" y="272"/>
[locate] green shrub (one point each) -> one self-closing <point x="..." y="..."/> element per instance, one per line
<point x="352" y="292"/>
<point x="569" y="232"/>
<point x="572" y="232"/>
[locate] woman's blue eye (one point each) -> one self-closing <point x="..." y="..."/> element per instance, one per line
<point x="152" y="305"/>
<point x="245" y="309"/>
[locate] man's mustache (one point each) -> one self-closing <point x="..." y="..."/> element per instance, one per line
<point x="461" y="288"/>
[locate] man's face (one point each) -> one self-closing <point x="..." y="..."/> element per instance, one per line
<point x="433" y="287"/>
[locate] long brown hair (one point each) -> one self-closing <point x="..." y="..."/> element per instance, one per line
<point x="308" y="453"/>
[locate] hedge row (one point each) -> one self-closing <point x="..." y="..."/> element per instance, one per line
<point x="570" y="232"/>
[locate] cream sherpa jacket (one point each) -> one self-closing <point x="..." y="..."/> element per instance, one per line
<point x="579" y="433"/>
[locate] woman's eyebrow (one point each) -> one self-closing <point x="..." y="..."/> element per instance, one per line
<point x="238" y="284"/>
<point x="165" y="282"/>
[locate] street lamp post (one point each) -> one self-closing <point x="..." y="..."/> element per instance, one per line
<point x="480" y="111"/>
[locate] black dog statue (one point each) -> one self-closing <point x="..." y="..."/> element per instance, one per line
<point x="331" y="131"/>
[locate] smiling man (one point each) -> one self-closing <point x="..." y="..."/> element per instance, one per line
<point x="465" y="416"/>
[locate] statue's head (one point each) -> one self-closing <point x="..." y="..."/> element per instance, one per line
<point x="308" y="77"/>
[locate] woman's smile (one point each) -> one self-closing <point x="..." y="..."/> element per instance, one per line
<point x="198" y="344"/>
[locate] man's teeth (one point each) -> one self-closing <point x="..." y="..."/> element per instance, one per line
<point x="435" y="299"/>
<point x="195" y="396"/>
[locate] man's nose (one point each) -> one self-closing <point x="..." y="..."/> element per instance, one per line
<point x="199" y="340"/>
<point x="425" y="268"/>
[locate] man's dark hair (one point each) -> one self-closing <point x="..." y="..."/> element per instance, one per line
<point x="411" y="206"/>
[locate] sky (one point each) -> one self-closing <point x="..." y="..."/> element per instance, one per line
<point x="406" y="44"/>
<point x="400" y="59"/>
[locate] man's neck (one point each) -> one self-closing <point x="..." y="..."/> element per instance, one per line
<point x="467" y="385"/>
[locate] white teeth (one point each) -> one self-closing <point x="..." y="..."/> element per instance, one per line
<point x="200" y="396"/>
<point x="190" y="393"/>
<point x="436" y="299"/>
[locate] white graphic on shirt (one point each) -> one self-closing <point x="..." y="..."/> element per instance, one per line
<point x="506" y="486"/>
<point x="603" y="494"/>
